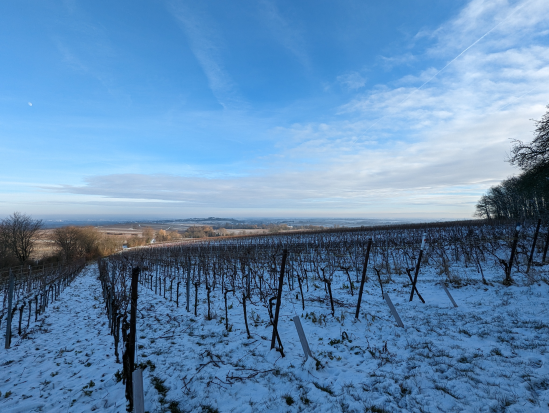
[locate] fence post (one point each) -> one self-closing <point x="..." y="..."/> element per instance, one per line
<point x="10" y="302"/>
<point x="363" y="277"/>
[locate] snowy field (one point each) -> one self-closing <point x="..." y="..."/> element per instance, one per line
<point x="487" y="355"/>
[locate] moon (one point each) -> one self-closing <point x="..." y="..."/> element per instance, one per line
<point x="30" y="103"/>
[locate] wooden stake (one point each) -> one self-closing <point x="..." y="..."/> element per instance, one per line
<point x="227" y="310"/>
<point x="417" y="268"/>
<point x="414" y="287"/>
<point x="278" y="298"/>
<point x="10" y="301"/>
<point x="363" y="277"/>
<point x="533" y="246"/>
<point x="546" y="245"/>
<point x="508" y="280"/>
<point x="131" y="336"/>
<point x="188" y="285"/>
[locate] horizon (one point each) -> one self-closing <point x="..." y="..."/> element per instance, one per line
<point x="146" y="218"/>
<point x="266" y="109"/>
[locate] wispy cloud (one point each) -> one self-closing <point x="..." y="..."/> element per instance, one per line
<point x="389" y="62"/>
<point x="500" y="24"/>
<point x="352" y="80"/>
<point x="285" y="32"/>
<point x="87" y="47"/>
<point x="206" y="45"/>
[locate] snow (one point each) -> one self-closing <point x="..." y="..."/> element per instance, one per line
<point x="488" y="354"/>
<point x="66" y="350"/>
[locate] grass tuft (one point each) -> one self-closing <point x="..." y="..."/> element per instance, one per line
<point x="206" y="408"/>
<point x="289" y="399"/>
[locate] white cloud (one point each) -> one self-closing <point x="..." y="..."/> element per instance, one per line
<point x="352" y="80"/>
<point x="388" y="62"/>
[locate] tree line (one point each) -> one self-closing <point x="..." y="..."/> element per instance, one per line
<point x="20" y="234"/>
<point x="525" y="195"/>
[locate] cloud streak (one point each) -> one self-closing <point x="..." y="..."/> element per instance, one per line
<point x="286" y="33"/>
<point x="206" y="43"/>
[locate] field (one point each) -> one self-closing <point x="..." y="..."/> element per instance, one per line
<point x="487" y="354"/>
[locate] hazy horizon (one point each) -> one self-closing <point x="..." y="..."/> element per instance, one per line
<point x="129" y="217"/>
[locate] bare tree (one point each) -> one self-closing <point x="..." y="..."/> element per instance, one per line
<point x="19" y="233"/>
<point x="68" y="239"/>
<point x="148" y="234"/>
<point x="89" y="241"/>
<point x="535" y="154"/>
<point x="6" y="257"/>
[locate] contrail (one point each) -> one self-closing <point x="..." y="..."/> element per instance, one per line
<point x="451" y="61"/>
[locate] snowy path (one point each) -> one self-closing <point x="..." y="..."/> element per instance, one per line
<point x="66" y="364"/>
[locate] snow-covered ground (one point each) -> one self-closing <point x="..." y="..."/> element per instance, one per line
<point x="66" y="362"/>
<point x="489" y="354"/>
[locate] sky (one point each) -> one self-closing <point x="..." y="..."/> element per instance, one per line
<point x="265" y="108"/>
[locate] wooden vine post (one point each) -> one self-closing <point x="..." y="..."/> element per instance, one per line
<point x="244" y="297"/>
<point x="545" y="247"/>
<point x="278" y="300"/>
<point x="227" y="310"/>
<point x="363" y="277"/>
<point x="414" y="287"/>
<point x="188" y="285"/>
<point x="533" y="246"/>
<point x="131" y="337"/>
<point x="508" y="280"/>
<point x="10" y="302"/>
<point x="414" y="282"/>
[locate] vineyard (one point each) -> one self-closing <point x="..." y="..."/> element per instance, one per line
<point x="439" y="317"/>
<point x="21" y="287"/>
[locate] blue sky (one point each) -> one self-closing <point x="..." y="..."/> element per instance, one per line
<point x="265" y="108"/>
